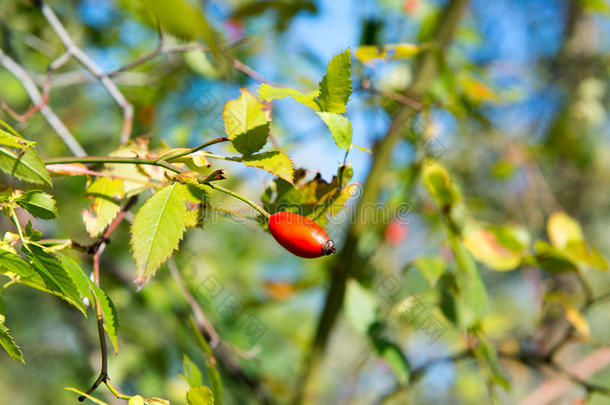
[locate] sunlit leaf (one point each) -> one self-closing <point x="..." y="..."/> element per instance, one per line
<point x="136" y="400"/>
<point x="201" y="395"/>
<point x="78" y="276"/>
<point x="562" y="229"/>
<point x="192" y="375"/>
<point x="276" y="163"/>
<point x="336" y="85"/>
<point x="56" y="279"/>
<point x="499" y="248"/>
<point x="439" y="184"/>
<point x="38" y="203"/>
<point x="247" y="123"/>
<point x="157" y="229"/>
<point x="267" y="92"/>
<point x="25" y="165"/>
<point x="340" y="128"/>
<point x="368" y="53"/>
<point x="8" y="343"/>
<point x="10" y="140"/>
<point x="432" y="268"/>
<point x="106" y="193"/>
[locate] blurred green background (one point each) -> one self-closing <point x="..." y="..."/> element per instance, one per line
<point x="517" y="113"/>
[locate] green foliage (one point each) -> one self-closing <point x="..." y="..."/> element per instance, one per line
<point x="336" y="85"/>
<point x="267" y="92"/>
<point x="395" y="358"/>
<point x="106" y="193"/>
<point x="8" y="343"/>
<point x="25" y="165"/>
<point x="157" y="230"/>
<point x="276" y="163"/>
<point x="369" y="53"/>
<point x="111" y="318"/>
<point x="201" y="395"/>
<point x="38" y="203"/>
<point x="431" y="267"/>
<point x="52" y="276"/>
<point x="340" y="127"/>
<point x="247" y="123"/>
<point x="192" y="375"/>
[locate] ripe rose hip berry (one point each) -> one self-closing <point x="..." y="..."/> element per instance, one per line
<point x="300" y="235"/>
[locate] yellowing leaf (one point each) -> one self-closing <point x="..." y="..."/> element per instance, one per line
<point x="439" y="184"/>
<point x="340" y="128"/>
<point x="499" y="248"/>
<point x="577" y="319"/>
<point x="247" y="123"/>
<point x="477" y="90"/>
<point x="267" y="92"/>
<point x="368" y="53"/>
<point x="562" y="229"/>
<point x="107" y="193"/>
<point x="201" y="395"/>
<point x="276" y="163"/>
<point x="157" y="229"/>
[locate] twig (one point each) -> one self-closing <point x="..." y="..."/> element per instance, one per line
<point x="30" y="87"/>
<point x="88" y="63"/>
<point x="97" y="249"/>
<point x="200" y="317"/>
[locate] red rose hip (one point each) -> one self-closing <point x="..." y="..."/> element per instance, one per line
<point x="300" y="235"/>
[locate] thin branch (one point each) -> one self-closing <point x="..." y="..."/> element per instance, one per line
<point x="97" y="249"/>
<point x="200" y="317"/>
<point x="30" y="87"/>
<point x="88" y="63"/>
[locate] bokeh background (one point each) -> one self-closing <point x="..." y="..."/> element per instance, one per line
<point x="518" y="115"/>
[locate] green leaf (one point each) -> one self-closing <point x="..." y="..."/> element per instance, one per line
<point x="111" y="318"/>
<point x="499" y="248"/>
<point x="562" y="229"/>
<point x="432" y="268"/>
<point x="78" y="276"/>
<point x="246" y="123"/>
<point x="553" y="260"/>
<point x="392" y="354"/>
<point x="25" y="165"/>
<point x="138" y="177"/>
<point x="471" y="296"/>
<point x="157" y="230"/>
<point x="336" y="85"/>
<point x="38" y="203"/>
<point x="106" y="192"/>
<point x="486" y="354"/>
<point x="54" y="277"/>
<point x="276" y="163"/>
<point x="340" y="127"/>
<point x="196" y="206"/>
<point x="192" y="375"/>
<point x="136" y="400"/>
<point x="210" y="362"/>
<point x="267" y="92"/>
<point x="7" y="139"/>
<point x="184" y="20"/>
<point x="439" y="184"/>
<point x="201" y="395"/>
<point x="360" y="306"/>
<point x="13" y="263"/>
<point x="7" y="341"/>
<point x="369" y="53"/>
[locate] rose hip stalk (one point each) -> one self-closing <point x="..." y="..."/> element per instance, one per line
<point x="300" y="235"/>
